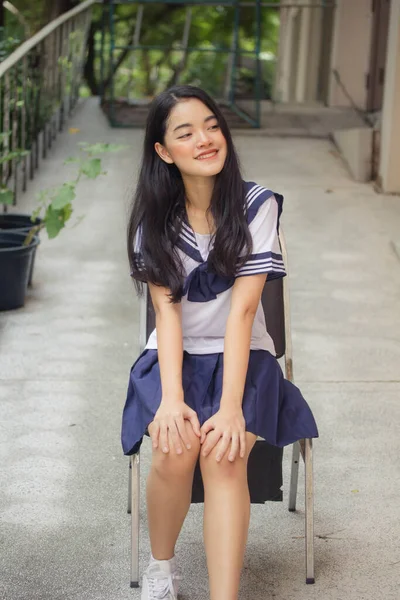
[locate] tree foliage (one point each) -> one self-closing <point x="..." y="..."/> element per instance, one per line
<point x="40" y="12"/>
<point x="163" y="61"/>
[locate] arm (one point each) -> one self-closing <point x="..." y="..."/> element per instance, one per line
<point x="246" y="296"/>
<point x="228" y="423"/>
<point x="169" y="342"/>
<point x="266" y="260"/>
<point x="169" y="418"/>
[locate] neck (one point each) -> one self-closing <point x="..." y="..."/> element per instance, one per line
<point x="199" y="192"/>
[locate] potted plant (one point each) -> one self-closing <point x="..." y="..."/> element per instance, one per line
<point x="18" y="245"/>
<point x="14" y="222"/>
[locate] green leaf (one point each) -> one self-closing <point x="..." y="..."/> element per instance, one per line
<point x="91" y="168"/>
<point x="64" y="62"/>
<point x="65" y="194"/>
<point x="15" y="154"/>
<point x="100" y="148"/>
<point x="4" y="136"/>
<point x="36" y="213"/>
<point x="71" y="159"/>
<point x="42" y="197"/>
<point x="54" y="222"/>
<point x="67" y="212"/>
<point x="6" y="196"/>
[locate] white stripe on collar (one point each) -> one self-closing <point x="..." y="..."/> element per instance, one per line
<point x="188" y="231"/>
<point x="253" y="194"/>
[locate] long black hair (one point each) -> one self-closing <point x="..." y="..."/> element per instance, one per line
<point x="159" y="205"/>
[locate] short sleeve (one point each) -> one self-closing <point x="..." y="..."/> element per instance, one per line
<point x="266" y="255"/>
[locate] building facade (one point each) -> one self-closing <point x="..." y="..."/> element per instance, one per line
<point x="347" y="54"/>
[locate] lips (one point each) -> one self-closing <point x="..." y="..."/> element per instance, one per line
<point x="207" y="155"/>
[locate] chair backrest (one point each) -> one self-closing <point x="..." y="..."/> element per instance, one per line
<point x="272" y="303"/>
<point x="273" y="306"/>
<point x="150" y="315"/>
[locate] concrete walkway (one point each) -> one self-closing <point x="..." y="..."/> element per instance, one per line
<point x="64" y="364"/>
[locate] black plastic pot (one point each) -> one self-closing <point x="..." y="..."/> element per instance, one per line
<point x="19" y="223"/>
<point x="15" y="265"/>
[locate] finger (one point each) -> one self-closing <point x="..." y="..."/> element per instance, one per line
<point x="174" y="436"/>
<point x="210" y="442"/>
<point x="223" y="446"/>
<point x="242" y="438"/>
<point x="164" y="445"/>
<point x="154" y="431"/>
<point x="207" y="427"/>
<point x="194" y="420"/>
<point x="181" y="427"/>
<point x="234" y="450"/>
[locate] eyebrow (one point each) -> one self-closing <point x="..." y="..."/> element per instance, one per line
<point x="190" y="124"/>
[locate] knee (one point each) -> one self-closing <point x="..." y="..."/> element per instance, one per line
<point x="224" y="471"/>
<point x="174" y="466"/>
<point x="171" y="465"/>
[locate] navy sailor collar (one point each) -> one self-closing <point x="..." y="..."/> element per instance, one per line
<point x="187" y="242"/>
<point x="255" y="196"/>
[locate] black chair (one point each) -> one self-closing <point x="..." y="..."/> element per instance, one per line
<point x="265" y="461"/>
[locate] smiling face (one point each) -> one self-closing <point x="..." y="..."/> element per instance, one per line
<point x="193" y="140"/>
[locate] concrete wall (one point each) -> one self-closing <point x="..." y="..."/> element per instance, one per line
<point x="351" y="51"/>
<point x="310" y="92"/>
<point x="389" y="167"/>
<point x="355" y="146"/>
<point x="297" y="77"/>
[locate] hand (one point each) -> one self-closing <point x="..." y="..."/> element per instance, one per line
<point x="226" y="430"/>
<point x="170" y="419"/>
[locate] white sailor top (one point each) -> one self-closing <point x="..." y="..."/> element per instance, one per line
<point x="207" y="296"/>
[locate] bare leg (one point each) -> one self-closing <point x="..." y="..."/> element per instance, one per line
<point x="226" y="520"/>
<point x="169" y="488"/>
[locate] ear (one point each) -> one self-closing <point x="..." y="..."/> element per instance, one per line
<point x="163" y="153"/>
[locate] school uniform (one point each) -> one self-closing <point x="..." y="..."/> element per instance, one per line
<point x="273" y="407"/>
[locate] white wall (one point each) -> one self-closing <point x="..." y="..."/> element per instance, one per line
<point x="351" y="51"/>
<point x="389" y="167"/>
<point x="299" y="53"/>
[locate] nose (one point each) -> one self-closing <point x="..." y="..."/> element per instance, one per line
<point x="203" y="139"/>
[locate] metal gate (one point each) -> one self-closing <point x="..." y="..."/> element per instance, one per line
<point x="267" y="51"/>
<point x="224" y="83"/>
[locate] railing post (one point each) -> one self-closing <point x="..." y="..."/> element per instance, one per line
<point x="39" y="85"/>
<point x="6" y="126"/>
<point x="23" y="119"/>
<point x="14" y="129"/>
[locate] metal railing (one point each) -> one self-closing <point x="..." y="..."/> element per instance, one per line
<point x="39" y="87"/>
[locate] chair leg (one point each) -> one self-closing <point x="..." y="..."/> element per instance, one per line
<point x="309" y="507"/>
<point x="129" y="508"/>
<point x="294" y="476"/>
<point x="135" y="497"/>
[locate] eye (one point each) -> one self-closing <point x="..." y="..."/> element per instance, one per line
<point x="185" y="135"/>
<point x="214" y="127"/>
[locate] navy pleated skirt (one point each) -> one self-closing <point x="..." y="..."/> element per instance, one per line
<point x="273" y="408"/>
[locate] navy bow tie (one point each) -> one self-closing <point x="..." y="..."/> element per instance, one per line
<point x="202" y="285"/>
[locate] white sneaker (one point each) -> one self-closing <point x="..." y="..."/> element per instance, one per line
<point x="161" y="580"/>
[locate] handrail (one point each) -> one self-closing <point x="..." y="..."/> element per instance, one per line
<point x="25" y="47"/>
<point x="39" y="88"/>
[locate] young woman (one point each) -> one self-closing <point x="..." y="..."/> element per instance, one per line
<point x="208" y="382"/>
